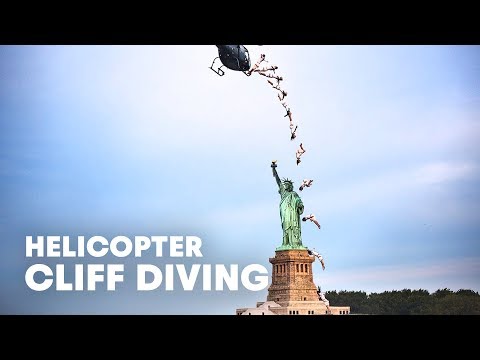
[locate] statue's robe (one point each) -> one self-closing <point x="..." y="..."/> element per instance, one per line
<point x="291" y="206"/>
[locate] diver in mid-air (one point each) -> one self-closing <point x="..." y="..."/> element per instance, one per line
<point x="300" y="151"/>
<point x="276" y="77"/>
<point x="289" y="114"/>
<point x="293" y="134"/>
<point x="321" y="297"/>
<point x="276" y="87"/>
<point x="312" y="218"/>
<point x="317" y="255"/>
<point x="305" y="183"/>
<point x="282" y="95"/>
<point x="256" y="65"/>
<point x="266" y="68"/>
<point x="285" y="105"/>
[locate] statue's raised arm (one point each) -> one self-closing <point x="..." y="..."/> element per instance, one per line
<point x="275" y="174"/>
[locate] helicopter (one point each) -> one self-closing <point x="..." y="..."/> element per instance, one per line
<point x="234" y="57"/>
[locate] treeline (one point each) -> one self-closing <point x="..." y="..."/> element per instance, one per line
<point x="408" y="302"/>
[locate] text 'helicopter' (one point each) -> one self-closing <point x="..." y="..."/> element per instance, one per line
<point x="234" y="57"/>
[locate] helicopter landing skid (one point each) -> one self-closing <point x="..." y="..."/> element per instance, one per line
<point x="219" y="71"/>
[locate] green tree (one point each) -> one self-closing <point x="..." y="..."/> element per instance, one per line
<point x="408" y="302"/>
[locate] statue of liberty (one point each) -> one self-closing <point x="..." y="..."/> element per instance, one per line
<point x="291" y="207"/>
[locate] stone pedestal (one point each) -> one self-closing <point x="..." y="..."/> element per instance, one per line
<point x="292" y="291"/>
<point x="292" y="277"/>
<point x="292" y="284"/>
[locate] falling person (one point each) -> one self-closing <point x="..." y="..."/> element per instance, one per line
<point x="256" y="65"/>
<point x="281" y="95"/>
<point x="266" y="68"/>
<point x="305" y="183"/>
<point x="276" y="77"/>
<point x="300" y="151"/>
<point x="317" y="255"/>
<point x="321" y="297"/>
<point x="293" y="133"/>
<point x="312" y="218"/>
<point x="289" y="114"/>
<point x="276" y="87"/>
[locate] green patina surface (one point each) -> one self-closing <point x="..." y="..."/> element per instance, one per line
<point x="291" y="207"/>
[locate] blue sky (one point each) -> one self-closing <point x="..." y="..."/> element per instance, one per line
<point x="146" y="140"/>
